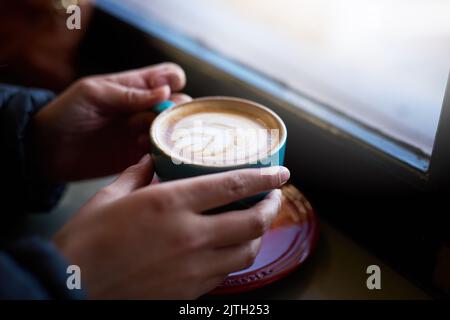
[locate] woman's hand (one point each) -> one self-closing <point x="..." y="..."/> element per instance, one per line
<point x="100" y="125"/>
<point x="132" y="240"/>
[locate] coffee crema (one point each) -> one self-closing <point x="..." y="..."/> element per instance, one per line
<point x="217" y="134"/>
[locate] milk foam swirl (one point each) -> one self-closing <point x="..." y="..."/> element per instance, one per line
<point x="220" y="138"/>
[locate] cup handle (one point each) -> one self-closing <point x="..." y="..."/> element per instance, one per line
<point x="162" y="106"/>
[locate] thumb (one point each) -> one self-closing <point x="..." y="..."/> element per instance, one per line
<point x="133" y="178"/>
<point x="122" y="98"/>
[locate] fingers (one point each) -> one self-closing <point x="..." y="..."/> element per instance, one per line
<point x="168" y="74"/>
<point x="212" y="191"/>
<point x="138" y="90"/>
<point x="222" y="262"/>
<point x="155" y="76"/>
<point x="235" y="258"/>
<point x="180" y="98"/>
<point x="134" y="177"/>
<point x="236" y="227"/>
<point x="141" y="121"/>
<point x="121" y="98"/>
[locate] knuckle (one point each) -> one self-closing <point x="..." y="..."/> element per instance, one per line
<point x="159" y="203"/>
<point x="107" y="192"/>
<point x="193" y="240"/>
<point x="188" y="239"/>
<point x="87" y="85"/>
<point x="130" y="96"/>
<point x="258" y="222"/>
<point x="236" y="185"/>
<point x="193" y="272"/>
<point x="202" y="235"/>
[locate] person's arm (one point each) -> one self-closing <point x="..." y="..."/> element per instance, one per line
<point x="22" y="189"/>
<point x="33" y="269"/>
<point x="93" y="129"/>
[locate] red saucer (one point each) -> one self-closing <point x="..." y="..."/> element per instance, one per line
<point x="290" y="240"/>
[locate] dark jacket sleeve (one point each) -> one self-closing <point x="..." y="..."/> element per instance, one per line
<point x="21" y="189"/>
<point x="30" y="268"/>
<point x="33" y="269"/>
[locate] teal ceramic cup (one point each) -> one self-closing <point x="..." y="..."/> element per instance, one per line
<point x="170" y="165"/>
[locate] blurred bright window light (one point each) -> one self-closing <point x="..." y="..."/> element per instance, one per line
<point x="384" y="63"/>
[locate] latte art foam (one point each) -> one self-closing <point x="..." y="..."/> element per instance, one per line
<point x="219" y="131"/>
<point x="220" y="138"/>
<point x="215" y="135"/>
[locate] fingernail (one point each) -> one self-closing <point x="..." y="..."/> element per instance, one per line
<point x="284" y="175"/>
<point x="160" y="81"/>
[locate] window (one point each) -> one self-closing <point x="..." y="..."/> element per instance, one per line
<point x="382" y="63"/>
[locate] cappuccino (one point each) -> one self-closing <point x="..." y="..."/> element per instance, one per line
<point x="217" y="134"/>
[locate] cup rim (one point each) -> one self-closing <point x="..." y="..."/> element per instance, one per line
<point x="220" y="98"/>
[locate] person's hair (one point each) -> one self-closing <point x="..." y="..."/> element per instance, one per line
<point x="36" y="49"/>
